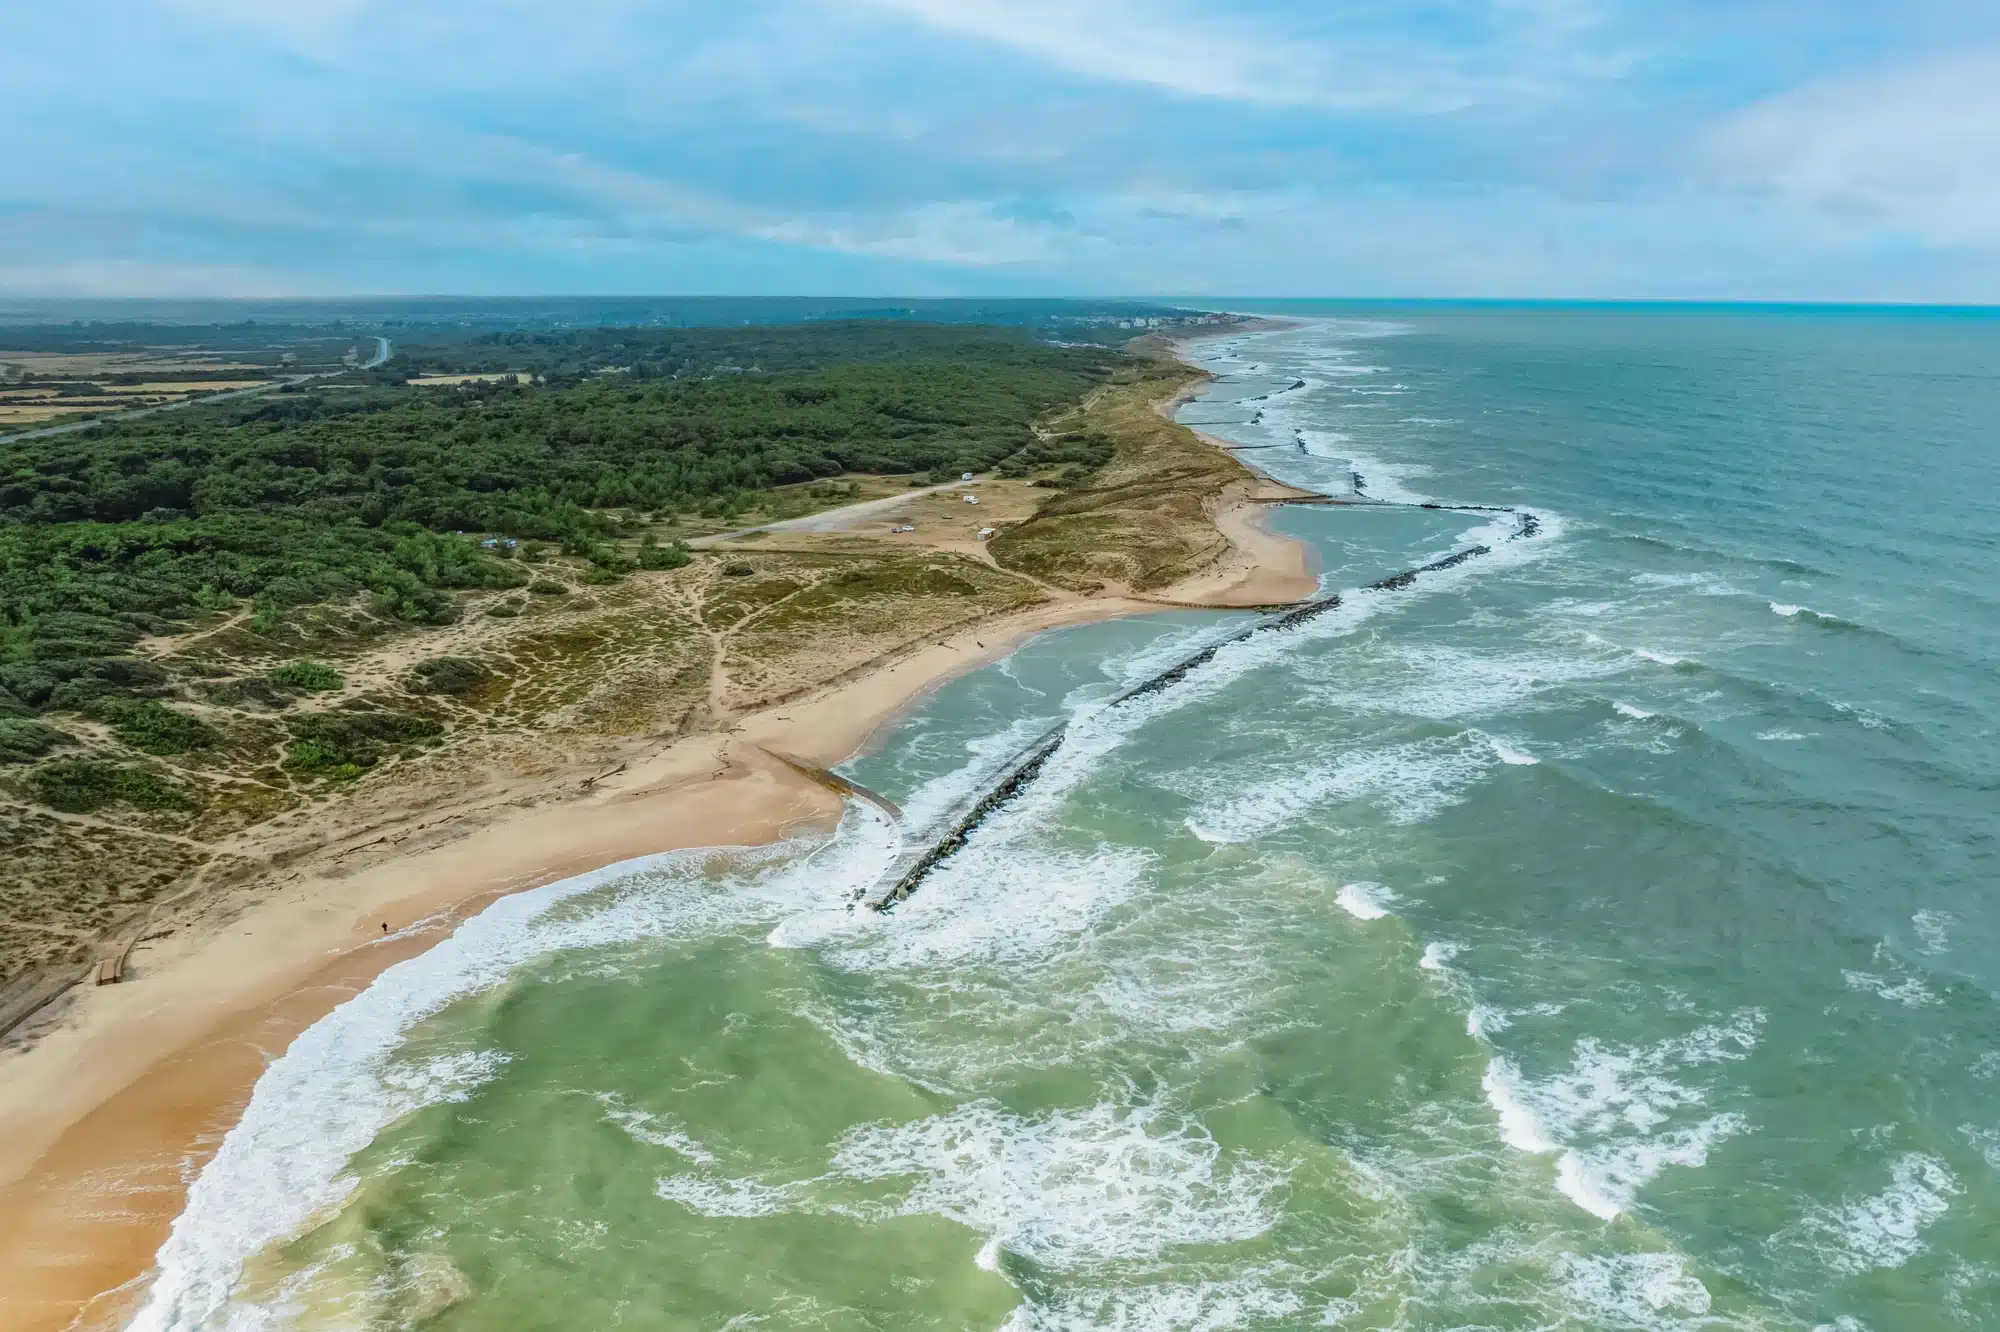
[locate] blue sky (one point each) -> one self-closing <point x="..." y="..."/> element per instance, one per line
<point x="1796" y="149"/>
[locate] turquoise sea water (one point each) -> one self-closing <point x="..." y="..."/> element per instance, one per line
<point x="1603" y="933"/>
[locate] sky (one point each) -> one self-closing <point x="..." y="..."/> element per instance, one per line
<point x="1734" y="149"/>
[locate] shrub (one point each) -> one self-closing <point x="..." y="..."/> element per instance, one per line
<point x="504" y="610"/>
<point x="308" y="677"/>
<point x="21" y="740"/>
<point x="672" y="556"/>
<point x="548" y="587"/>
<point x="340" y="746"/>
<point x="448" y="675"/>
<point x="152" y="727"/>
<point x="77" y="786"/>
<point x="599" y="574"/>
<point x="738" y="569"/>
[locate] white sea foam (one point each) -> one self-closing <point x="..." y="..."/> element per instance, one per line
<point x="1444" y="683"/>
<point x="653" y="1130"/>
<point x="706" y="1196"/>
<point x="1658" y="658"/>
<point x="1409" y="782"/>
<point x="1510" y="755"/>
<point x="1365" y="901"/>
<point x="1782" y="608"/>
<point x="1934" y="929"/>
<point x="1389" y="482"/>
<point x="1098" y="731"/>
<point x="1072" y="1188"/>
<point x="943" y="796"/>
<point x="1438" y="953"/>
<point x="1629" y="710"/>
<point x="1520" y="1127"/>
<point x="1909" y="992"/>
<point x="1206" y="1306"/>
<point x="1635" y="1290"/>
<point x="1617" y="1116"/>
<point x="1482" y="1021"/>
<point x="1325" y="444"/>
<point x="1884" y="1230"/>
<point x="1781" y="735"/>
<point x="342" y="1082"/>
<point x="1012" y="900"/>
<point x="1986" y="1140"/>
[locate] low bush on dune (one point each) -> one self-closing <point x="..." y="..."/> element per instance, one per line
<point x="152" y="727"/>
<point x="308" y="677"/>
<point x="448" y="675"/>
<point x="671" y="556"/>
<point x="22" y="740"/>
<point x="340" y="746"/>
<point x="78" y="786"/>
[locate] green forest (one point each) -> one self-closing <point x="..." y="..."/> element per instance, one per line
<point x="375" y="486"/>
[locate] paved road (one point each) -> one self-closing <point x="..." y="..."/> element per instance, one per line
<point x="381" y="356"/>
<point x="830" y="520"/>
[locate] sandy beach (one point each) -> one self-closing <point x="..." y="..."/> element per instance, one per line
<point x="112" y="1100"/>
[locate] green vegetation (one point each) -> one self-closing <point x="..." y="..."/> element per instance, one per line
<point x="448" y="675"/>
<point x="150" y="726"/>
<point x="308" y="677"/>
<point x="340" y="746"/>
<point x="78" y="786"/>
<point x="1079" y="453"/>
<point x="674" y="555"/>
<point x="406" y="495"/>
<point x="548" y="587"/>
<point x="22" y="741"/>
<point x="570" y="355"/>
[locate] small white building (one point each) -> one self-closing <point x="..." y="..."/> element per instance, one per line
<point x="985" y="532"/>
<point x="971" y="499"/>
<point x="965" y="476"/>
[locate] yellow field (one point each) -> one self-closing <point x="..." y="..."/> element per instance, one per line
<point x="429" y="381"/>
<point x="89" y="365"/>
<point x="187" y="386"/>
<point x="16" y="413"/>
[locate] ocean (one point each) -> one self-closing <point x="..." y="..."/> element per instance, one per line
<point x="1601" y="932"/>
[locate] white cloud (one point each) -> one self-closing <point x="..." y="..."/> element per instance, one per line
<point x="1915" y="148"/>
<point x="1358" y="60"/>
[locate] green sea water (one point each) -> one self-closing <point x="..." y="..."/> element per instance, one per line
<point x="1603" y="933"/>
